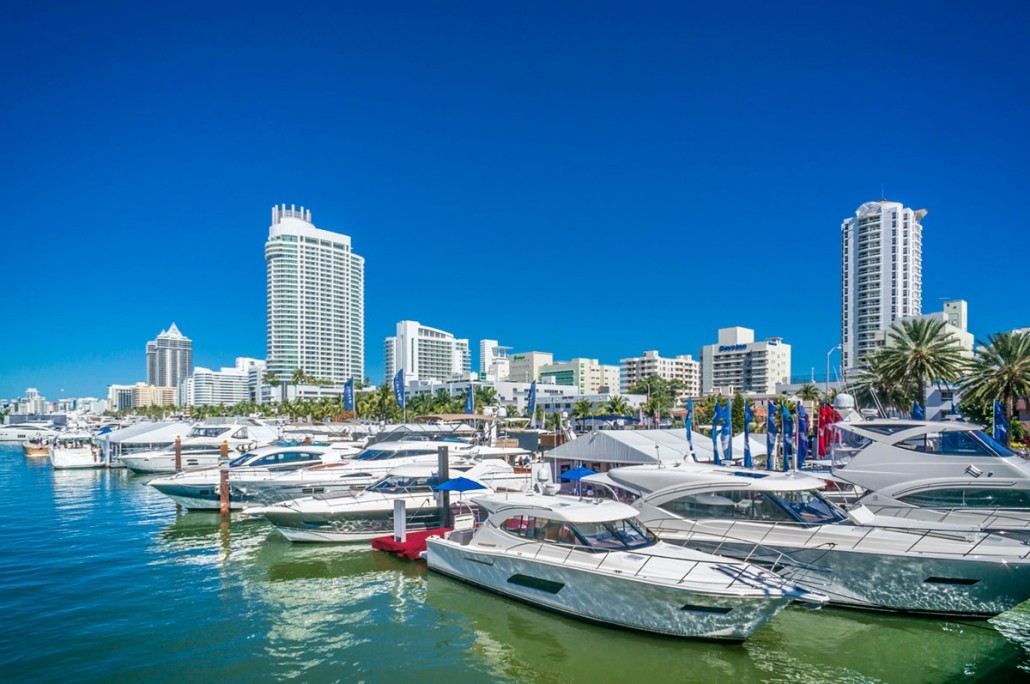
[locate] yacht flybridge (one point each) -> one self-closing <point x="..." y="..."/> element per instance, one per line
<point x="781" y="520"/>
<point x="201" y="447"/>
<point x="595" y="561"/>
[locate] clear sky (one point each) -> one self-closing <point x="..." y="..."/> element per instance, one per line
<point x="592" y="179"/>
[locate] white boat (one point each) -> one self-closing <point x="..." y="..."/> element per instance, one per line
<point x="594" y="560"/>
<point x="202" y="445"/>
<point x="75" y="450"/>
<point x="780" y="519"/>
<point x="21" y="432"/>
<point x="35" y="448"/>
<point x="356" y="516"/>
<point x="877" y="454"/>
<point x="198" y="488"/>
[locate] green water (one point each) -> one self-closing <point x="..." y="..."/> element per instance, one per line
<point x="101" y="581"/>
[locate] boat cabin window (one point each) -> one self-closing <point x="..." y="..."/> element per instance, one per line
<point x="207" y="431"/>
<point x="384" y="454"/>
<point x="805" y="506"/>
<point x="969" y="497"/>
<point x="610" y="535"/>
<point x="398" y="484"/>
<point x="240" y="434"/>
<point x="954" y="443"/>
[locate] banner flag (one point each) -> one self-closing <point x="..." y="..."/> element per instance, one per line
<point x="348" y="395"/>
<point x="748" y="417"/>
<point x="770" y="435"/>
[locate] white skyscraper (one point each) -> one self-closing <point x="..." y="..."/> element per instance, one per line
<point x="169" y="358"/>
<point x="881" y="273"/>
<point x="426" y="354"/>
<point x="316" y="300"/>
<point x="493" y="361"/>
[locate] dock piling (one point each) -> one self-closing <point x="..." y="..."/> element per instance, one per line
<point x="223" y="480"/>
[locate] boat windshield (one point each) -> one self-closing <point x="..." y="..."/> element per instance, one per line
<point x="806" y="506"/>
<point x="956" y="443"/>
<point x="404" y="485"/>
<point x="384" y="454"/>
<point x="208" y="431"/>
<point x="610" y="535"/>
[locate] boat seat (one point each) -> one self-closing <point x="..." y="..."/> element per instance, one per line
<point x="465" y="521"/>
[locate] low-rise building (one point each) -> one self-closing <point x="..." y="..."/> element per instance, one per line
<point x="683" y="368"/>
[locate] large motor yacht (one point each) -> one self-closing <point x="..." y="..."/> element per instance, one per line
<point x="356" y="516"/>
<point x="595" y="561"/>
<point x="201" y="447"/>
<point x="780" y="519"/>
<point x="21" y="432"/>
<point x="197" y="488"/>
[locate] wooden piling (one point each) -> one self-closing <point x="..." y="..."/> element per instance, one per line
<point x="223" y="481"/>
<point x="444" y="463"/>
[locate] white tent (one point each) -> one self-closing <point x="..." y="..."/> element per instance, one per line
<point x="631" y="447"/>
<point x="141" y="437"/>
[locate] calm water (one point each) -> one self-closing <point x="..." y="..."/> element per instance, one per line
<point x="101" y="581"/>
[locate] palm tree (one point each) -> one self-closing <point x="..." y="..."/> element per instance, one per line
<point x="1000" y="371"/>
<point x="581" y="409"/>
<point x="920" y="351"/>
<point x="618" y="406"/>
<point x="512" y="411"/>
<point x="874" y="387"/>
<point x="809" y="393"/>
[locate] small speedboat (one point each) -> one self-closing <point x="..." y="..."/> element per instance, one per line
<point x="594" y="560"/>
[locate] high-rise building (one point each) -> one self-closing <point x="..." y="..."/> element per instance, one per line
<point x="588" y="376"/>
<point x="493" y="361"/>
<point x="169" y="358"/>
<point x="426" y="354"/>
<point x="881" y="274"/>
<point x="316" y="300"/>
<point x="739" y="364"/>
<point x="683" y="368"/>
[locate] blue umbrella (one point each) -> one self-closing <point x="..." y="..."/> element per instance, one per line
<point x="577" y="473"/>
<point x="459" y="484"/>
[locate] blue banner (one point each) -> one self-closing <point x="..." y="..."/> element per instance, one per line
<point x="770" y="435"/>
<point x="917" y="411"/>
<point x="348" y="395"/>
<point x="470" y="401"/>
<point x="398" y="387"/>
<point x="788" y="435"/>
<point x="727" y="433"/>
<point x="716" y="419"/>
<point x="1001" y="425"/>
<point x="748" y="417"/>
<point x="689" y="424"/>
<point x="802" y="435"/>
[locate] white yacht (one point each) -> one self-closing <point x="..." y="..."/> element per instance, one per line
<point x="356" y="516"/>
<point x="997" y="504"/>
<point x="595" y="560"/>
<point x="879" y="453"/>
<point x="197" y="489"/>
<point x="75" y="449"/>
<point x="372" y="463"/>
<point x="22" y="432"/>
<point x="781" y="520"/>
<point x="202" y="445"/>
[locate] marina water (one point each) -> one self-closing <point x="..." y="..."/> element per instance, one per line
<point x="101" y="581"/>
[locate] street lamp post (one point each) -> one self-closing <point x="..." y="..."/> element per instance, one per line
<point x="832" y="349"/>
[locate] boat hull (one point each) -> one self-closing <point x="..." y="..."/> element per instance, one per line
<point x="75" y="458"/>
<point x="359" y="525"/>
<point x="612" y="600"/>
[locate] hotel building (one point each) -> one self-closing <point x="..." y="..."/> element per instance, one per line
<point x="426" y="354"/>
<point x="683" y="368"/>
<point x="881" y="274"/>
<point x="525" y="366"/>
<point x="494" y="364"/>
<point x="739" y="364"/>
<point x="588" y="376"/>
<point x="316" y="300"/>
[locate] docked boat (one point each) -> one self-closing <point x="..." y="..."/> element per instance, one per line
<point x="595" y="560"/>
<point x="877" y="454"/>
<point x="201" y="447"/>
<point x="197" y="489"/>
<point x="36" y="447"/>
<point x="21" y="432"/>
<point x="75" y="450"/>
<point x="782" y="521"/>
<point x="356" y="516"/>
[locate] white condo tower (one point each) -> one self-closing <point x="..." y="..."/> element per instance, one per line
<point x="881" y="274"/>
<point x="316" y="300"/>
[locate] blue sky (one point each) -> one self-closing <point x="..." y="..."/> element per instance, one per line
<point x="592" y="179"/>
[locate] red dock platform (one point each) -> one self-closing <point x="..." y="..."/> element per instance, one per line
<point x="412" y="547"/>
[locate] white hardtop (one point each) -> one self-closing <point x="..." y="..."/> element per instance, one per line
<point x="893" y="431"/>
<point x="647" y="478"/>
<point x="565" y="508"/>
